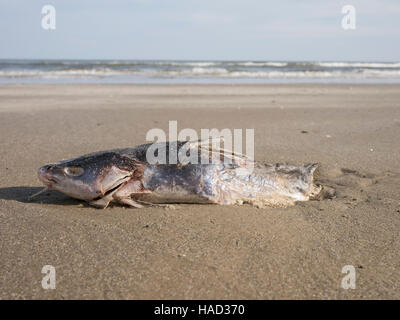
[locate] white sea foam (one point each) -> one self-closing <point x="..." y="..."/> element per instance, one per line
<point x="58" y="73"/>
<point x="215" y="71"/>
<point x="262" y="64"/>
<point x="203" y="72"/>
<point x="185" y="64"/>
<point x="359" y="64"/>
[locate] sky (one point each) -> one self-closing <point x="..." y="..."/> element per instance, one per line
<point x="294" y="30"/>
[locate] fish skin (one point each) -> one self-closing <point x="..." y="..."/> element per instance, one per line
<point x="125" y="176"/>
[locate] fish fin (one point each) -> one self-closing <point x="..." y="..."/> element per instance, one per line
<point x="210" y="145"/>
<point x="130" y="202"/>
<point x="101" y="203"/>
<point x="213" y="147"/>
<point x="311" y="167"/>
<point x="315" y="191"/>
<point x="160" y="205"/>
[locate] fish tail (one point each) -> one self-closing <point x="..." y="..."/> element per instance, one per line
<point x="314" y="189"/>
<point x="276" y="185"/>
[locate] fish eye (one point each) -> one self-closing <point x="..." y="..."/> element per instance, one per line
<point x="74" y="171"/>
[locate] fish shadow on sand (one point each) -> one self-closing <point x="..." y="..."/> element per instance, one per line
<point x="22" y="194"/>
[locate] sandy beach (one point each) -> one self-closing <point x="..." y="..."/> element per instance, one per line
<point x="204" y="251"/>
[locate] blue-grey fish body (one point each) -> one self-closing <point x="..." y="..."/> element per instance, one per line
<point x="126" y="176"/>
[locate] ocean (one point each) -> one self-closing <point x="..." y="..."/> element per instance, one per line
<point x="165" y="71"/>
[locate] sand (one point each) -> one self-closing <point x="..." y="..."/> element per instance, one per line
<point x="204" y="251"/>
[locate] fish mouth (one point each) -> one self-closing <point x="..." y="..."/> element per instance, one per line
<point x="49" y="181"/>
<point x="47" y="178"/>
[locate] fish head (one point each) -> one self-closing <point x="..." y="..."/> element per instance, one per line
<point x="88" y="177"/>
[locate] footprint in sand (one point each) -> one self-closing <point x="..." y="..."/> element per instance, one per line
<point x="345" y="184"/>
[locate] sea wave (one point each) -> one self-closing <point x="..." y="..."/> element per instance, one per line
<point x="146" y="70"/>
<point x="201" y="72"/>
<point x="359" y="64"/>
<point x="261" y="64"/>
<point x="59" y="73"/>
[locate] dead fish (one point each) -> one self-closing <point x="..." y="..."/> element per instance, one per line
<point x="125" y="176"/>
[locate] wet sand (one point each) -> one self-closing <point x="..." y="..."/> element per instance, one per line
<point x="204" y="251"/>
